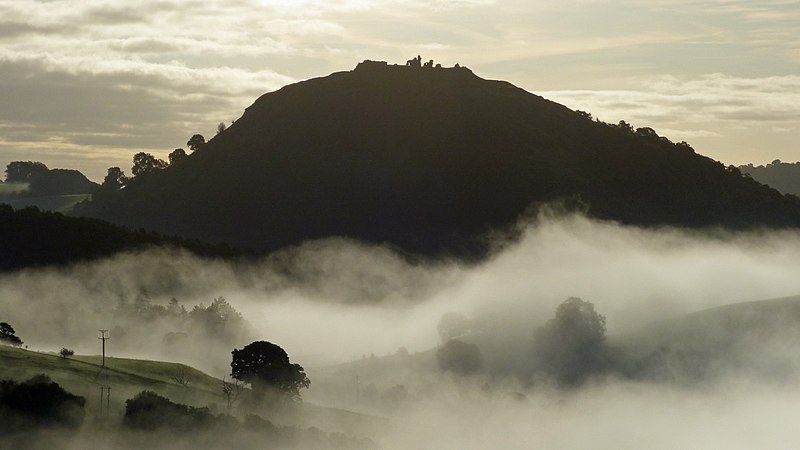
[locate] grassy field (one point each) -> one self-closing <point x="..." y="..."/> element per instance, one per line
<point x="84" y="375"/>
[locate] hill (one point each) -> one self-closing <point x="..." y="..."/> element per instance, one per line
<point x="784" y="177"/>
<point x="83" y="375"/>
<point x="756" y="338"/>
<point x="428" y="160"/>
<point x="30" y="238"/>
<point x="30" y="183"/>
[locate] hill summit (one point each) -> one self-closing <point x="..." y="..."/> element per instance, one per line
<point x="427" y="159"/>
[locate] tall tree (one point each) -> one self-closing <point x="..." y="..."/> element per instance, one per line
<point x="145" y="163"/>
<point x="196" y="142"/>
<point x="176" y="156"/>
<point x="115" y="179"/>
<point x="267" y="368"/>
<point x="572" y="346"/>
<point x="8" y="334"/>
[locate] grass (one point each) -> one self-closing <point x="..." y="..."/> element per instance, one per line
<point x="84" y="375"/>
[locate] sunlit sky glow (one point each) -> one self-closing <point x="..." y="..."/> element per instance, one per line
<point x="87" y="84"/>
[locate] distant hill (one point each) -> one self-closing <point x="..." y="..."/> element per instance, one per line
<point x="758" y="337"/>
<point x="428" y="160"/>
<point x="784" y="177"/>
<point x="30" y="183"/>
<point x="30" y="237"/>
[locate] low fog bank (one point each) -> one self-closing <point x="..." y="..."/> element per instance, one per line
<point x="10" y="188"/>
<point x="735" y="414"/>
<point x="574" y="336"/>
<point x="337" y="300"/>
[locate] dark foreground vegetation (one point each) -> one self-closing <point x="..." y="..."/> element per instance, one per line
<point x="33" y="238"/>
<point x="36" y="403"/>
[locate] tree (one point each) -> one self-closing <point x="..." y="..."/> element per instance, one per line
<point x="145" y="163"/>
<point x="459" y="357"/>
<point x="8" y="335"/>
<point x="115" y="179"/>
<point x="267" y="368"/>
<point x="231" y="390"/>
<point x="572" y="345"/>
<point x="196" y="142"/>
<point x="24" y="171"/>
<point x="176" y="156"/>
<point x="221" y="127"/>
<point x="66" y="353"/>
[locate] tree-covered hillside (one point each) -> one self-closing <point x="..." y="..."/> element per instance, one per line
<point x="30" y="237"/>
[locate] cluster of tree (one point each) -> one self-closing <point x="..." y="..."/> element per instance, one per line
<point x="8" y="335"/>
<point x="149" y="412"/>
<point x="145" y="164"/>
<point x="569" y="349"/>
<point x="219" y="322"/>
<point x="30" y="237"/>
<point x="38" y="402"/>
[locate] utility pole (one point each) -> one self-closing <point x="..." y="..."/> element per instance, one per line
<point x="101" y="334"/>
<point x="358" y="390"/>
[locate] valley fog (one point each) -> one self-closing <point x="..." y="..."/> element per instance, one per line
<point x="335" y="300"/>
<point x="365" y="322"/>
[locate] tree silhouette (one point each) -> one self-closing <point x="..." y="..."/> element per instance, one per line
<point x="267" y="368"/>
<point x="196" y="142"/>
<point x="176" y="156"/>
<point x="459" y="357"/>
<point x="145" y="164"/>
<point x="114" y="180"/>
<point x="24" y="171"/>
<point x="572" y="345"/>
<point x="8" y="335"/>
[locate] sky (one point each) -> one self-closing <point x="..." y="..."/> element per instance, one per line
<point x="86" y="84"/>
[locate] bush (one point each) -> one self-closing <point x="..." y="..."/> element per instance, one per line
<point x="150" y="411"/>
<point x="38" y="402"/>
<point x="459" y="357"/>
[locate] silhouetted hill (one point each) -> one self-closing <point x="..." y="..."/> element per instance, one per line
<point x="427" y="159"/>
<point x="33" y="184"/>
<point x="30" y="238"/>
<point x="784" y="177"/>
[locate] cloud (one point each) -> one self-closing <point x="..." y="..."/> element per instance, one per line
<point x="713" y="101"/>
<point x="205" y="61"/>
